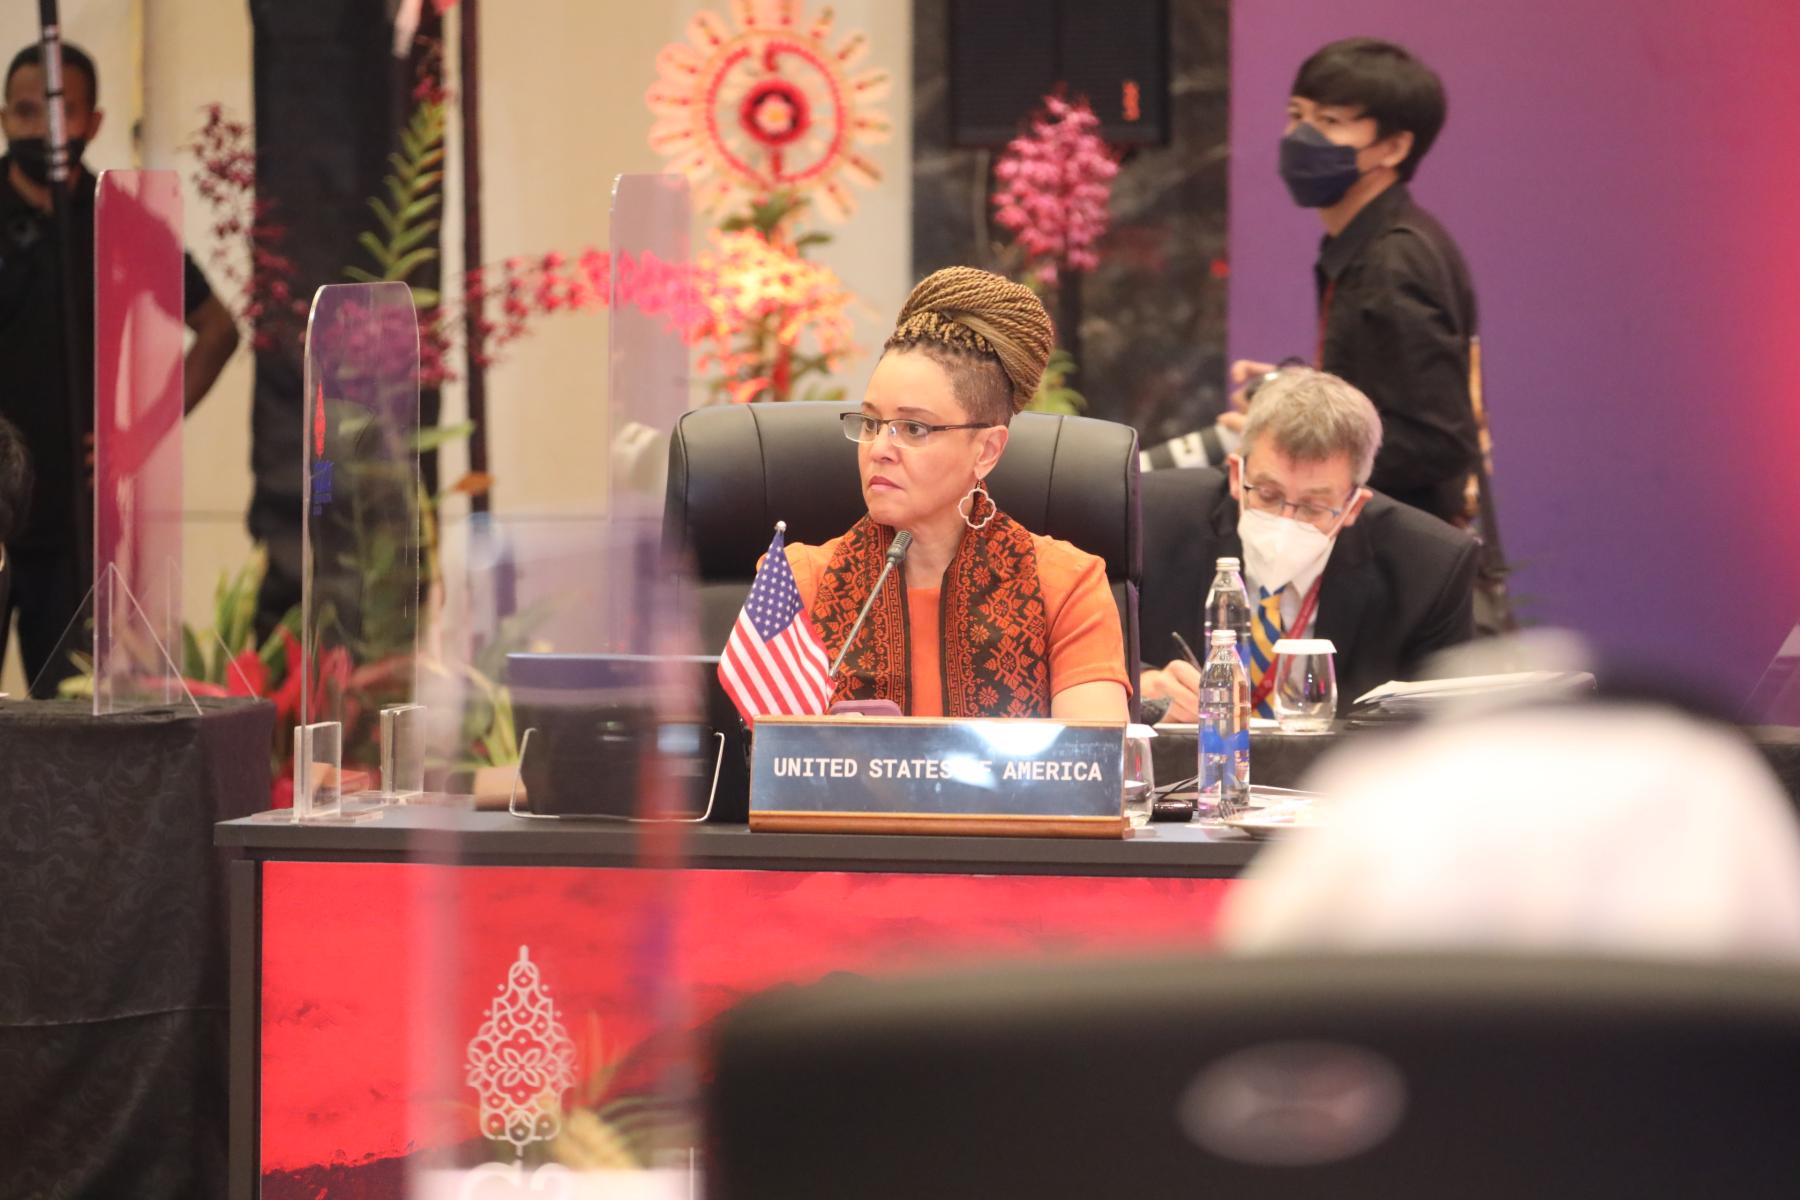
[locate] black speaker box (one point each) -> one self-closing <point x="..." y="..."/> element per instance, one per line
<point x="1006" y="55"/>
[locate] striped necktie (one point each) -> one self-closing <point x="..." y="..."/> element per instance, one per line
<point x="1264" y="633"/>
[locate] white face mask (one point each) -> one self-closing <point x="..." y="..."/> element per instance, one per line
<point x="1277" y="550"/>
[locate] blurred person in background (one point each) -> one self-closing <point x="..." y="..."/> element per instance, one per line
<point x="49" y="585"/>
<point x="1615" y="829"/>
<point x="1323" y="555"/>
<point x="15" y="495"/>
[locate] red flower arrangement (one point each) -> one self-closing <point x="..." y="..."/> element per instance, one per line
<point x="226" y="152"/>
<point x="760" y="299"/>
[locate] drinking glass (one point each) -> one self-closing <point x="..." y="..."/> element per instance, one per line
<point x="1306" y="692"/>
<point x="1138" y="774"/>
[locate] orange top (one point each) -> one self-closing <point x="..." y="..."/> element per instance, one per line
<point x="1086" y="644"/>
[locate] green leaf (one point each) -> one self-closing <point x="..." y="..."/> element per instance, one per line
<point x="404" y="169"/>
<point x="734" y="224"/>
<point x="424" y="298"/>
<point x="358" y="275"/>
<point x="411" y="236"/>
<point x="503" y="745"/>
<point x="815" y="238"/>
<point x="427" y="181"/>
<point x="419" y="208"/>
<point x="377" y="251"/>
<point x="384" y="215"/>
<point x="773" y="211"/>
<point x="431" y="160"/>
<point x="396" y="191"/>
<point x="406" y="265"/>
<point x="193" y="663"/>
<point x="437" y="436"/>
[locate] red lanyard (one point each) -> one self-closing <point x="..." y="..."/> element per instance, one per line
<point x="1267" y="683"/>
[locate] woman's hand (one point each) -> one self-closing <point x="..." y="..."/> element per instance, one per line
<point x="1178" y="681"/>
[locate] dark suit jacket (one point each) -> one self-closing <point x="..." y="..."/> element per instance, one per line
<point x="1399" y="584"/>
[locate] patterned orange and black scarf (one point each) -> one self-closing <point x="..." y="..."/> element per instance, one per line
<point x="993" y="631"/>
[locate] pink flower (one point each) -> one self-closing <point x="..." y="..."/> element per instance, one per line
<point x="1056" y="182"/>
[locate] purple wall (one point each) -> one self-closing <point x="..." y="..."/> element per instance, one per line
<point x="1611" y="172"/>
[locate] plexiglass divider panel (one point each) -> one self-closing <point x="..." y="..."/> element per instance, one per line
<point x="1775" y="700"/>
<point x="361" y="521"/>
<point x="133" y="614"/>
<point x="551" y="1037"/>
<point x="513" y="584"/>
<point x="647" y="368"/>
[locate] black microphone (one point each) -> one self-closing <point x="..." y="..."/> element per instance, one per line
<point x="896" y="552"/>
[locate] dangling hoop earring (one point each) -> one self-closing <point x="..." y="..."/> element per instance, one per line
<point x="967" y="505"/>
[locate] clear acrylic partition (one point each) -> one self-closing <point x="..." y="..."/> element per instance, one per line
<point x="1776" y="698"/>
<point x="525" y="639"/>
<point x="134" y="610"/>
<point x="361" y="524"/>
<point x="652" y="305"/>
<point x="547" y="1009"/>
<point x="550" y="1023"/>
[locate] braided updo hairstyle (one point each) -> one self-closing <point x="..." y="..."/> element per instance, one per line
<point x="991" y="336"/>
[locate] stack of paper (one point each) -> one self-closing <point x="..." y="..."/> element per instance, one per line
<point x="1429" y="696"/>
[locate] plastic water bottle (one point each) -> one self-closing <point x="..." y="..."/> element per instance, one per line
<point x="1228" y="607"/>
<point x="1224" y="730"/>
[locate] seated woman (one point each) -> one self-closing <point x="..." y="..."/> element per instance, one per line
<point x="992" y="620"/>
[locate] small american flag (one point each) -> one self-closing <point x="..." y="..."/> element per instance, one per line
<point x="774" y="662"/>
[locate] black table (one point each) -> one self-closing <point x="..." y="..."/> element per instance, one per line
<point x="458" y="836"/>
<point x="112" y="950"/>
<point x="1276" y="759"/>
<point x="1282" y="760"/>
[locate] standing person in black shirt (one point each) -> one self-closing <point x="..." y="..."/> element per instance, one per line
<point x="48" y="583"/>
<point x="1396" y="311"/>
<point x="15" y="496"/>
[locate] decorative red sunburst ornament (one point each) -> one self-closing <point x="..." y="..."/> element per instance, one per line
<point x="766" y="106"/>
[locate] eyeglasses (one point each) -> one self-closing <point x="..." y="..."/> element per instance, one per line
<point x="1269" y="500"/>
<point x="859" y="427"/>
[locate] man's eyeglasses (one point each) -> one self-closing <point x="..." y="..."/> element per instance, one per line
<point x="859" y="427"/>
<point x="1270" y="500"/>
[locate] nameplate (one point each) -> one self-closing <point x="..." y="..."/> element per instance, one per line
<point x="924" y="775"/>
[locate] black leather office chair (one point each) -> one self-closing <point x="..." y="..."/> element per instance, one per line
<point x="734" y="471"/>
<point x="1348" y="1078"/>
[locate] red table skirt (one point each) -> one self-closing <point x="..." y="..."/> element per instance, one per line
<point x="375" y="976"/>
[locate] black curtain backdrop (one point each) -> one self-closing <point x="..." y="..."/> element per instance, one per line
<point x="330" y="100"/>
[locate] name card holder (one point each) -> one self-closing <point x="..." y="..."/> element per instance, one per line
<point x="925" y="775"/>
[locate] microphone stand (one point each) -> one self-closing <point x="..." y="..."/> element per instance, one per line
<point x="896" y="552"/>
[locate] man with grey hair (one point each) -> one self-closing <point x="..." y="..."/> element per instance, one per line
<point x="1323" y="556"/>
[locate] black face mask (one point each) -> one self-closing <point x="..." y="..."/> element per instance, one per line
<point x="33" y="156"/>
<point x="1317" y="171"/>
